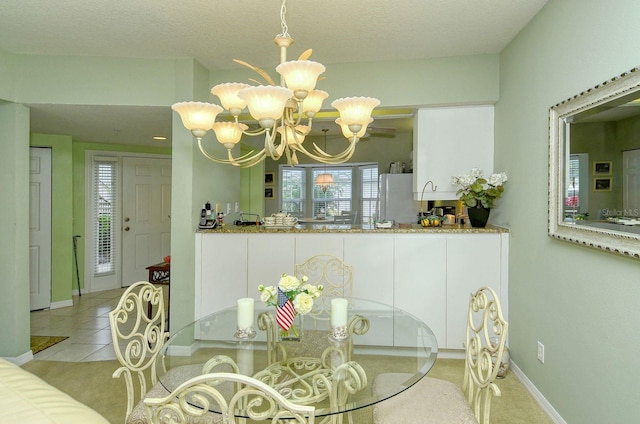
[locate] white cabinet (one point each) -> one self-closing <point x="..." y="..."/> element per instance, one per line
<point x="450" y="141"/>
<point x="372" y="258"/>
<point x="309" y="245"/>
<point x="473" y="261"/>
<point x="420" y="283"/>
<point x="222" y="274"/>
<point x="268" y="257"/>
<point x="429" y="275"/>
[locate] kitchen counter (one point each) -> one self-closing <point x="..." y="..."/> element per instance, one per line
<point x="424" y="271"/>
<point x="345" y="228"/>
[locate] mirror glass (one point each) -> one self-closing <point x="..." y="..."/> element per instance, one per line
<point x="594" y="167"/>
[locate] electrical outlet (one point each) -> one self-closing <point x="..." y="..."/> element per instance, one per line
<point x="540" y="352"/>
<point x="228" y="208"/>
<point x="237" y="207"/>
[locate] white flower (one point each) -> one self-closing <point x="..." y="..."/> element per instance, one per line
<point x="497" y="179"/>
<point x="476" y="173"/>
<point x="288" y="283"/>
<point x="303" y="303"/>
<point x="267" y="294"/>
<point x="313" y="291"/>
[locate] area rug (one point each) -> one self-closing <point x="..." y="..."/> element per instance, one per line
<point x="40" y="343"/>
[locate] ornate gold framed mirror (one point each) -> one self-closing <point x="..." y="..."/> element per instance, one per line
<point x="594" y="167"/>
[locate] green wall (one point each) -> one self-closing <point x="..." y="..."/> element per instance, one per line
<point x="14" y="230"/>
<point x="581" y="303"/>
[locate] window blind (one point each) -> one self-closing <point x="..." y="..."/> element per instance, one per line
<point x="369" y="201"/>
<point x="105" y="186"/>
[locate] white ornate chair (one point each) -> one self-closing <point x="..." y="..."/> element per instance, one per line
<point x="333" y="274"/>
<point x="137" y="339"/>
<point x="194" y="400"/>
<point x="432" y="400"/>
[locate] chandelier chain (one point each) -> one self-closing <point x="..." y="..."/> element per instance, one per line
<point x="283" y="21"/>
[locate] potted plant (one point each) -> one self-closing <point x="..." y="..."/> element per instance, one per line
<point x="478" y="193"/>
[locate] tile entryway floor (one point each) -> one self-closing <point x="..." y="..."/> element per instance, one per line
<point x="86" y="323"/>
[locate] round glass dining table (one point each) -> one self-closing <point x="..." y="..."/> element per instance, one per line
<point x="381" y="339"/>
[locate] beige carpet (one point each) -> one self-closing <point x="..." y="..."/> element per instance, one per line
<point x="91" y="383"/>
<point x="40" y="343"/>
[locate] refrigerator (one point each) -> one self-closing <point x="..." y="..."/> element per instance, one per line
<point x="395" y="198"/>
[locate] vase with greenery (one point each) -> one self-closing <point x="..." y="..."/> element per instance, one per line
<point x="292" y="297"/>
<point x="478" y="193"/>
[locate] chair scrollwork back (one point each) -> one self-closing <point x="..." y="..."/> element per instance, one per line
<point x="138" y="337"/>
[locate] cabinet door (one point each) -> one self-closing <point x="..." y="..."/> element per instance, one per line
<point x="269" y="256"/>
<point x="473" y="261"/>
<point x="308" y="245"/>
<point x="222" y="272"/>
<point x="372" y="259"/>
<point x="420" y="285"/>
<point x="450" y="141"/>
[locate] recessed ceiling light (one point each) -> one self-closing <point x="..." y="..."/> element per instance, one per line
<point x="159" y="138"/>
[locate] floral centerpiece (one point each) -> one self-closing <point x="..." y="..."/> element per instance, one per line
<point x="478" y="192"/>
<point x="291" y="296"/>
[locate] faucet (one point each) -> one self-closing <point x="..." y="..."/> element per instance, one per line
<point x="433" y="188"/>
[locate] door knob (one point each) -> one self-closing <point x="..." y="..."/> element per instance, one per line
<point x="126" y="228"/>
<point x="126" y="219"/>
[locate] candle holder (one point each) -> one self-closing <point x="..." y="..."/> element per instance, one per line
<point x="338" y="333"/>
<point x="245" y="333"/>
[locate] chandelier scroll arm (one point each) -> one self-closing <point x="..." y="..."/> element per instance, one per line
<point x="246" y="160"/>
<point x="257" y="70"/>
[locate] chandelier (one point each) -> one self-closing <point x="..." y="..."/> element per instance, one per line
<point x="279" y="110"/>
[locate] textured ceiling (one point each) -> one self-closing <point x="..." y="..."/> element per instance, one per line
<point x="215" y="32"/>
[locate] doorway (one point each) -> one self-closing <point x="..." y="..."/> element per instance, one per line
<point x="40" y="227"/>
<point x="146" y="215"/>
<point x="127" y="225"/>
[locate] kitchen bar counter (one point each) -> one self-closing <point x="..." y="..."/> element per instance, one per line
<point x="428" y="272"/>
<point x="362" y="229"/>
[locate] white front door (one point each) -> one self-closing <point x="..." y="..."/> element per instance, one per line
<point x="631" y="182"/>
<point x="40" y="227"/>
<point x="146" y="209"/>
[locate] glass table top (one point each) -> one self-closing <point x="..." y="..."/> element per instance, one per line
<point x="383" y="340"/>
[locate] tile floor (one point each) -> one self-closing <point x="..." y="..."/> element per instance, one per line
<point x="86" y="323"/>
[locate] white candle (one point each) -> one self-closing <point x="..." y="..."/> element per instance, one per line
<point x="339" y="312"/>
<point x="245" y="312"/>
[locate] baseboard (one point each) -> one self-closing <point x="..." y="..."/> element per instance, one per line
<point x="537" y="396"/>
<point x="20" y="360"/>
<point x="61" y="304"/>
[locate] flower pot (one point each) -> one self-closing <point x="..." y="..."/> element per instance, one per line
<point x="294" y="333"/>
<point x="478" y="216"/>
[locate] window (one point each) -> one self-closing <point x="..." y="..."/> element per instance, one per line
<point x="576" y="198"/>
<point x="292" y="189"/>
<point x="355" y="188"/>
<point x="337" y="197"/>
<point x="105" y="209"/>
<point x="369" y="201"/>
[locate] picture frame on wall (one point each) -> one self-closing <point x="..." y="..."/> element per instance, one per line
<point x="602" y="167"/>
<point x="269" y="179"/>
<point x="268" y="193"/>
<point x="602" y="184"/>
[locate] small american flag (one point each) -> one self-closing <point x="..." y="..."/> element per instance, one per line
<point x="285" y="312"/>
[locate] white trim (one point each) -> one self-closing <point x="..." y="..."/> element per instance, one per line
<point x="553" y="415"/>
<point x="61" y="304"/>
<point x="20" y="360"/>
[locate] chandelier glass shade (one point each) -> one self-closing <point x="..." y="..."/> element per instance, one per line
<point x="324" y="181"/>
<point x="280" y="111"/>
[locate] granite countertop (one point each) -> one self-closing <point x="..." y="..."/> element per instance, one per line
<point x="345" y="228"/>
